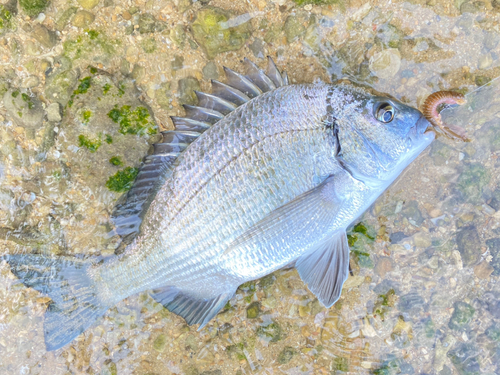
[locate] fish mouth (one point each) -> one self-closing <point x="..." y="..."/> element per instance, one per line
<point x="423" y="126"/>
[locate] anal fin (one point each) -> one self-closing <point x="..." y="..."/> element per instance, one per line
<point x="325" y="269"/>
<point x="193" y="310"/>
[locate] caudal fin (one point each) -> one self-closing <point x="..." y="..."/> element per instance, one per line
<point x="75" y="301"/>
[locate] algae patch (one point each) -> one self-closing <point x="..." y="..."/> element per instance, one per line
<point x="132" y="121"/>
<point x="122" y="181"/>
<point x="90" y="144"/>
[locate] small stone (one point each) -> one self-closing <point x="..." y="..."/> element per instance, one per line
<point x="160" y="343"/>
<point x="183" y="5"/>
<point x="138" y="72"/>
<point x="148" y="24"/>
<point x="82" y="19"/>
<point x="210" y="71"/>
<point x="422" y="240"/>
<point x="126" y="15"/>
<point x="485" y="61"/>
<point x="60" y="86"/>
<point x="494" y="248"/>
<point x="54" y="112"/>
<point x="257" y="48"/>
<point x="33" y="7"/>
<point x="385" y="64"/>
<point x="353" y="282"/>
<point x="293" y="28"/>
<point x="46" y="37"/>
<point x="469" y="245"/>
<point x="483" y="270"/>
<point x="411" y="303"/>
<point x="286" y="355"/>
<point x="65" y="17"/>
<point x="442" y="348"/>
<point x="491" y="39"/>
<point x="384" y="265"/>
<point x="213" y="32"/>
<point x="177" y="62"/>
<point x="469" y="7"/>
<point x="253" y="310"/>
<point x="471" y="182"/>
<point x="271" y="332"/>
<point x="465" y="359"/>
<point x="30" y="82"/>
<point x="88" y="4"/>
<point x="304" y="310"/>
<point x="462" y="315"/>
<point x="412" y="213"/>
<point x="187" y="86"/>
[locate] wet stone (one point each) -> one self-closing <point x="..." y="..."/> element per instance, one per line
<point x="210" y="71"/>
<point x="257" y="48"/>
<point x="494" y="248"/>
<point x="286" y="355"/>
<point x="24" y="109"/>
<point x="47" y="38"/>
<point x="471" y="182"/>
<point x="485" y="61"/>
<point x="469" y="245"/>
<point x="149" y="24"/>
<point x="293" y="28"/>
<point x="411" y="303"/>
<point x="177" y="63"/>
<point x="82" y="19"/>
<point x="88" y="4"/>
<point x="253" y="310"/>
<point x="60" y="85"/>
<point x="481" y="80"/>
<point x="465" y="359"/>
<point x="462" y="315"/>
<point x="397" y="237"/>
<point x="65" y="17"/>
<point x="384" y="265"/>
<point x="412" y="213"/>
<point x="160" y="343"/>
<point x="54" y="112"/>
<point x="441" y="153"/>
<point x="215" y="34"/>
<point x="272" y="332"/>
<point x="491" y="39"/>
<point x="385" y="64"/>
<point x="187" y="86"/>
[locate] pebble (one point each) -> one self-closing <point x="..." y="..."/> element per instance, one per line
<point x="88" y="4"/>
<point x="468" y="244"/>
<point x="462" y="315"/>
<point x="210" y="71"/>
<point x="82" y="19"/>
<point x="54" y="112"/>
<point x="126" y="15"/>
<point x="485" y="61"/>
<point x="385" y="64"/>
<point x="30" y="82"/>
<point x="384" y="265"/>
<point x="483" y="270"/>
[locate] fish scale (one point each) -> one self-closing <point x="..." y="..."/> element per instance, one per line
<point x="259" y="175"/>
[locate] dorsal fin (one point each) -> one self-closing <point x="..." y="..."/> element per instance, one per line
<point x="156" y="168"/>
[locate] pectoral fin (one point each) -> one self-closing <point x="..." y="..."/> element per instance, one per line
<point x="325" y="269"/>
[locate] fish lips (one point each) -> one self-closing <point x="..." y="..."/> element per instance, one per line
<point x="424" y="128"/>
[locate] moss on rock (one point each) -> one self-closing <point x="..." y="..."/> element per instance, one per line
<point x="33" y="7"/>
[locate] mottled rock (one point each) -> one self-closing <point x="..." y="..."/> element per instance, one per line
<point x="214" y="32"/>
<point x="30" y="82"/>
<point x="54" y="112"/>
<point x="271" y="332"/>
<point x="160" y="343"/>
<point x="412" y="213"/>
<point x="384" y="265"/>
<point x="187" y="86"/>
<point x="494" y="248"/>
<point x="60" y="85"/>
<point x="293" y="28"/>
<point x="465" y="359"/>
<point x="469" y="245"/>
<point x="257" y="48"/>
<point x="412" y="303"/>
<point x="26" y="110"/>
<point x="88" y="4"/>
<point x="82" y="19"/>
<point x="422" y="240"/>
<point x="462" y="315"/>
<point x="385" y="64"/>
<point x="441" y="152"/>
<point x="286" y="355"/>
<point x="253" y="310"/>
<point x="177" y="62"/>
<point x="471" y="182"/>
<point x="210" y="71"/>
<point x="65" y="17"/>
<point x="47" y="38"/>
<point x="138" y="72"/>
<point x="483" y="270"/>
<point x="149" y="24"/>
<point x="33" y="8"/>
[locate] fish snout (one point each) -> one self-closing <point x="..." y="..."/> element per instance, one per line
<point x="423" y="125"/>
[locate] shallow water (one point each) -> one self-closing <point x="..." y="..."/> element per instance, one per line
<point x="423" y="296"/>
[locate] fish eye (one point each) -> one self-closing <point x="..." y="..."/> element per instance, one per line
<point x="385" y="112"/>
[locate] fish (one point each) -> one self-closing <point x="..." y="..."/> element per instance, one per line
<point x="259" y="175"/>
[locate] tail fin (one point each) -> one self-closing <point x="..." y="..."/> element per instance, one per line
<point x="75" y="301"/>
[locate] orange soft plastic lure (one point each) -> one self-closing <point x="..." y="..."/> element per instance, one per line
<point x="430" y="110"/>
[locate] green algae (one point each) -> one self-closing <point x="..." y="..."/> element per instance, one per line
<point x="108" y="139"/>
<point x="15" y="94"/>
<point x="93" y="34"/>
<point x="462" y="315"/>
<point x="115" y="160"/>
<point x="89" y="44"/>
<point x="122" y="181"/>
<point x="253" y="311"/>
<point x="6" y="22"/>
<point x="84" y="86"/>
<point x="160" y="343"/>
<point x="86" y="115"/>
<point x="33" y="7"/>
<point x="106" y="88"/>
<point x="384" y="303"/>
<point x="132" y="121"/>
<point x="149" y="45"/>
<point x="472" y="181"/>
<point x="286" y="355"/>
<point x="90" y="144"/>
<point x="359" y="238"/>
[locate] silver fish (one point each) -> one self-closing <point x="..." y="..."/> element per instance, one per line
<point x="260" y="175"/>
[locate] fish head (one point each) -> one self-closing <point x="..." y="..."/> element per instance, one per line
<point x="377" y="135"/>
